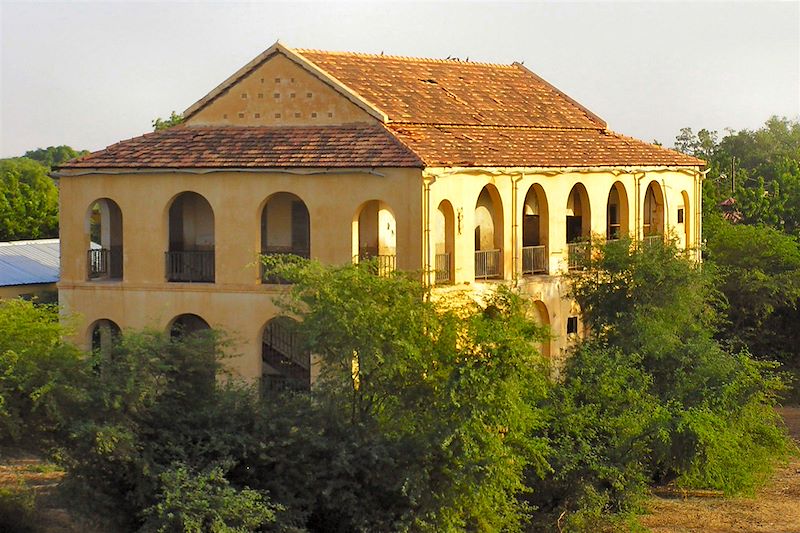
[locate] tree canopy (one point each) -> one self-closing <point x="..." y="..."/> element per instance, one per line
<point x="28" y="200"/>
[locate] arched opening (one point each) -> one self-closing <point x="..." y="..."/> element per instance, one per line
<point x="535" y="231"/>
<point x="579" y="226"/>
<point x="186" y="325"/>
<point x="543" y="318"/>
<point x="489" y="234"/>
<point x="103" y="334"/>
<point x="104" y="257"/>
<point x="375" y="236"/>
<point x="653" y="219"/>
<point x="190" y="257"/>
<point x="684" y="217"/>
<point x="617" y="212"/>
<point x="285" y="363"/>
<point x="443" y="241"/>
<point x="285" y="229"/>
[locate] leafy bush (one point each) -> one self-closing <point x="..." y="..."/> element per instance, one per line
<point x="41" y="377"/>
<point x="206" y="503"/>
<point x="714" y="423"/>
<point x="153" y="401"/>
<point x="443" y="394"/>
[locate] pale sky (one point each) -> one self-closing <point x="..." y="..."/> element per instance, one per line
<point x="92" y="73"/>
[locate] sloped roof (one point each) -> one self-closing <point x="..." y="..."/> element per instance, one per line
<point x="29" y="262"/>
<point x="435" y="91"/>
<point x="354" y="145"/>
<point x="532" y="147"/>
<point x="435" y="113"/>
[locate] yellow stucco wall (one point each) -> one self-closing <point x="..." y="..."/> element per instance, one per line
<point x="236" y="302"/>
<point x="401" y="205"/>
<point x="277" y="93"/>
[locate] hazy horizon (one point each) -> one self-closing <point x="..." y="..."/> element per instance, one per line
<point x="91" y="74"/>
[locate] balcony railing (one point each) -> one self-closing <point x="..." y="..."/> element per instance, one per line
<point x="442" y="268"/>
<point x="103" y="263"/>
<point x="578" y="254"/>
<point x="652" y="240"/>
<point x="534" y="260"/>
<point x="384" y="264"/>
<point x="269" y="277"/>
<point x="191" y="266"/>
<point x="487" y="264"/>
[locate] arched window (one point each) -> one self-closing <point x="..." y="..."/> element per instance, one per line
<point x="103" y="334"/>
<point x="579" y="226"/>
<point x="543" y="318"/>
<point x="187" y="324"/>
<point x="375" y="236"/>
<point x="443" y="242"/>
<point x="617" y="212"/>
<point x="104" y="257"/>
<point x="489" y="234"/>
<point x="286" y="365"/>
<point x="190" y="257"/>
<point x="285" y="229"/>
<point x="535" y="233"/>
<point x="653" y="211"/>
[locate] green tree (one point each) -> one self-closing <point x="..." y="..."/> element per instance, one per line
<point x="41" y="376"/>
<point x="173" y="120"/>
<point x="28" y="200"/>
<point x="53" y="156"/>
<point x="448" y="391"/>
<point x="662" y="310"/>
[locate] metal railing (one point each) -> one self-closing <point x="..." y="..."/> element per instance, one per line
<point x="651" y="240"/>
<point x="383" y="264"/>
<point x="284" y="343"/>
<point x="578" y="254"/>
<point x="442" y="267"/>
<point x="190" y="266"/>
<point x="534" y="260"/>
<point x="103" y="263"/>
<point x="269" y="277"/>
<point x="487" y="264"/>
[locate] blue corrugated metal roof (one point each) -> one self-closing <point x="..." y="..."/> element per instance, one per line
<point x="29" y="262"/>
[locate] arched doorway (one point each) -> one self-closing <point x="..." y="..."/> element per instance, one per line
<point x="375" y="236"/>
<point x="285" y="363"/>
<point x="186" y="325"/>
<point x="443" y="242"/>
<point x="543" y="318"/>
<point x="103" y="334"/>
<point x="489" y="234"/>
<point x="190" y="257"/>
<point x="617" y="212"/>
<point x="285" y="229"/>
<point x="578" y="226"/>
<point x="653" y="211"/>
<point x="104" y="257"/>
<point x="535" y="232"/>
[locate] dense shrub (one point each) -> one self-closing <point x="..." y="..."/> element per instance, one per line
<point x="651" y="396"/>
<point x="41" y="376"/>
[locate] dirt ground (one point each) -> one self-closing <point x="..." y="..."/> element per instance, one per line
<point x="775" y="509"/>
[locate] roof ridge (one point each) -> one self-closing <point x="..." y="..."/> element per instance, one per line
<point x="403" y="58"/>
<point x="498" y="126"/>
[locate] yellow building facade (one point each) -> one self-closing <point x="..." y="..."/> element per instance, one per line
<point x="471" y="174"/>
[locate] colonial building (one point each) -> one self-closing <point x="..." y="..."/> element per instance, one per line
<point x="470" y="173"/>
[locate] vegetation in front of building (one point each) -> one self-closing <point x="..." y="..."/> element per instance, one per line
<point x="428" y="415"/>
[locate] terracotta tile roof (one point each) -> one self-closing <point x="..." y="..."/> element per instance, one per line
<point x="430" y="91"/>
<point x="532" y="147"/>
<point x="355" y="145"/>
